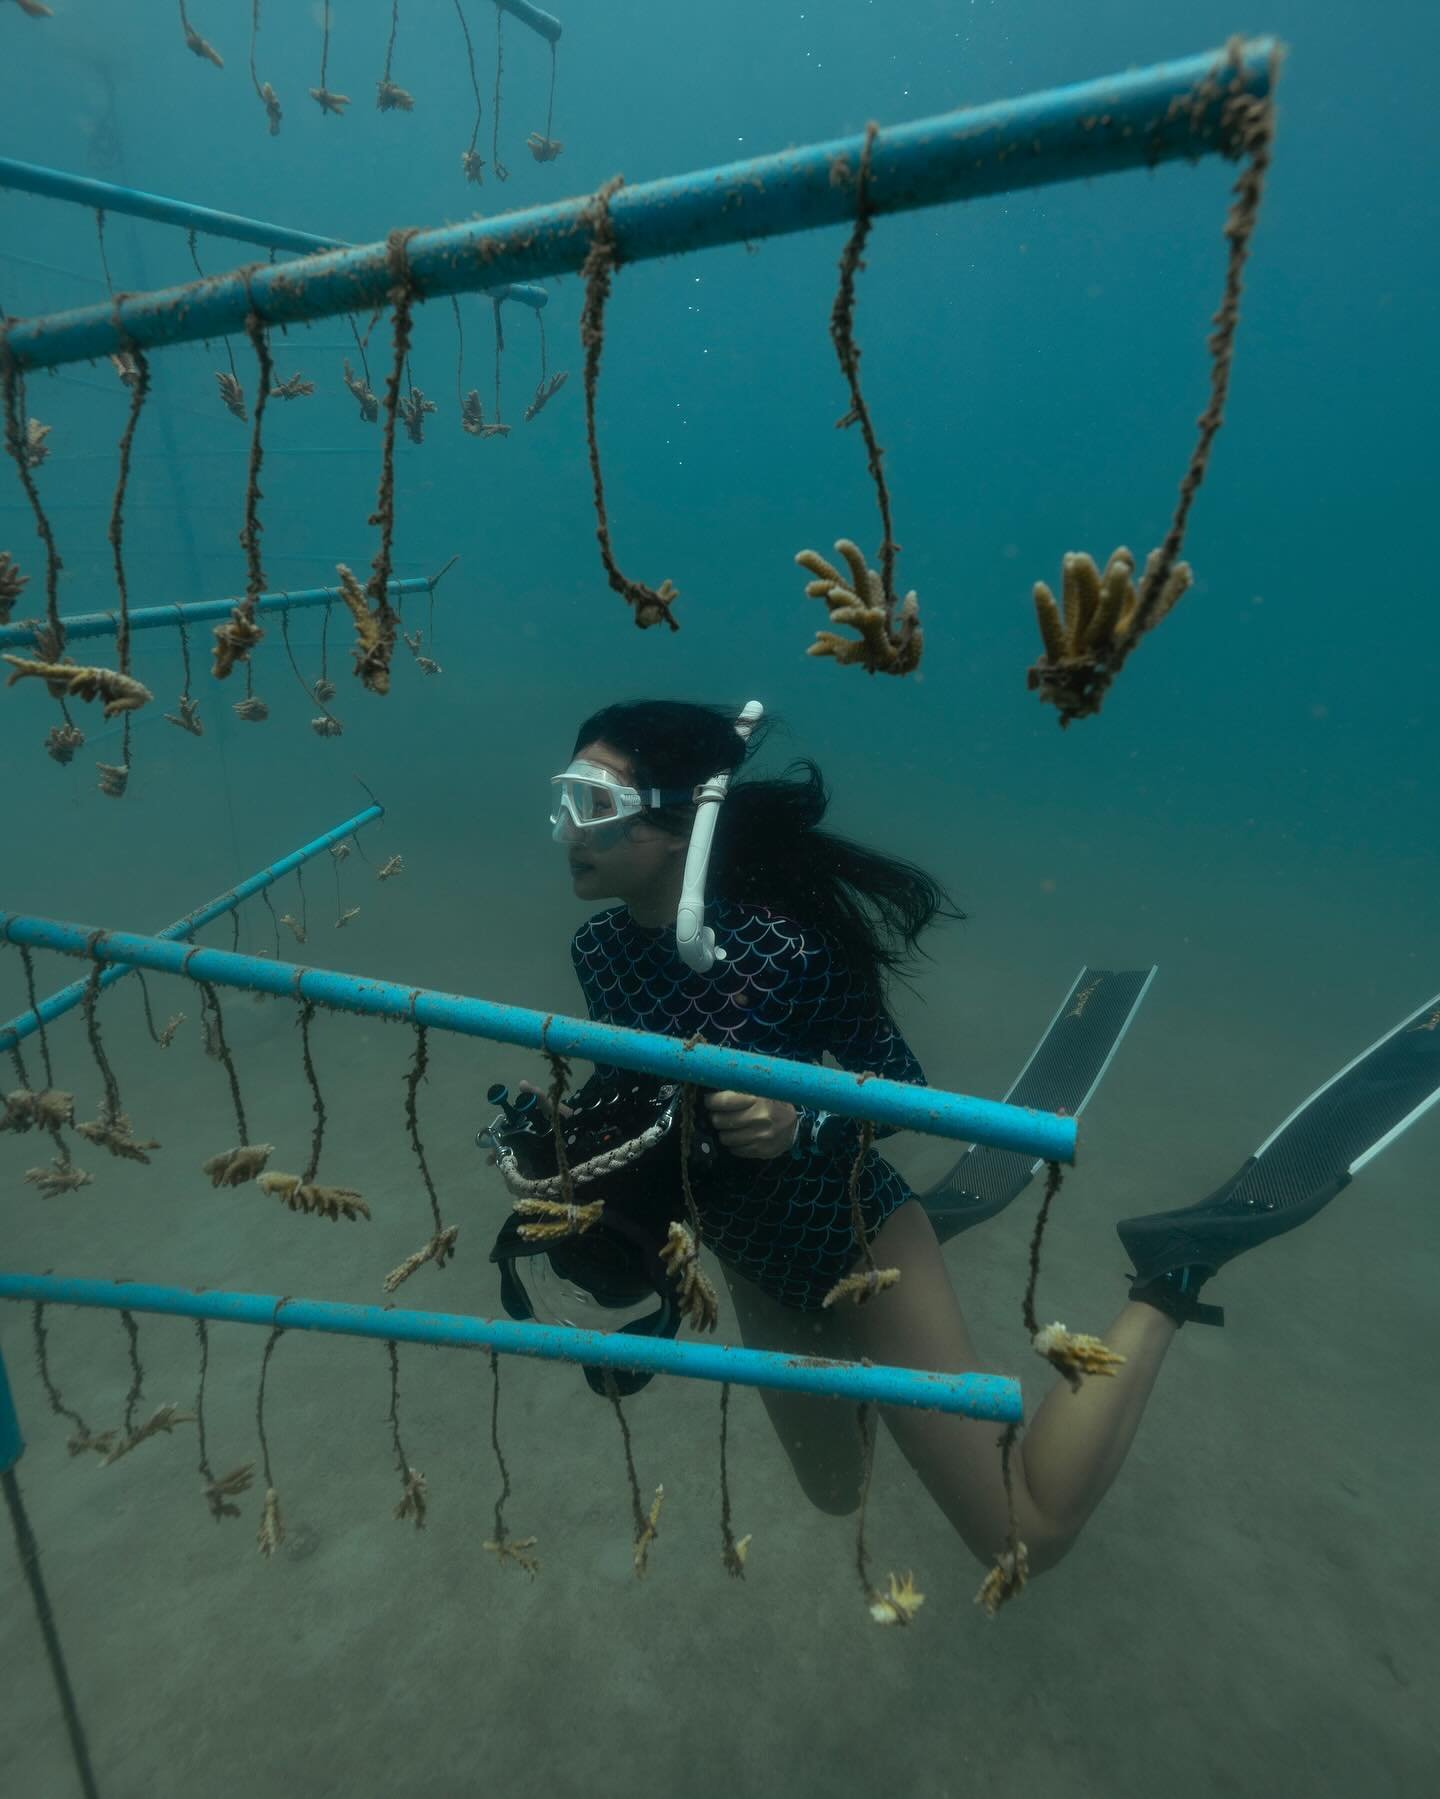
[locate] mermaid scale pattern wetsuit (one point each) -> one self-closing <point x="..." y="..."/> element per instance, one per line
<point x="780" y="991"/>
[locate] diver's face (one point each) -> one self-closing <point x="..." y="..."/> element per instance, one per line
<point x="630" y="861"/>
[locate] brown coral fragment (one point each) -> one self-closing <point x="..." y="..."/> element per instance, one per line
<point x="413" y="1498"/>
<point x="546" y="391"/>
<point x="34" y="450"/>
<point x="329" y="101"/>
<point x="112" y="1131"/>
<point x="250" y="710"/>
<point x="681" y="1256"/>
<point x="73" y="681"/>
<point x="196" y="44"/>
<point x="374" y="634"/>
<point x="472" y="166"/>
<point x="360" y="392"/>
<point x="861" y="1287"/>
<point x="234" y="1167"/>
<point x="515" y="1549"/>
<point x="296" y="928"/>
<point x="413" y="409"/>
<point x="220" y="1491"/>
<point x="231" y="393"/>
<point x="388" y="870"/>
<point x="542" y="148"/>
<point x="272" y="107"/>
<point x="293" y="387"/>
<point x="46" y="1110"/>
<point x="83" y="1439"/>
<point x="187" y="717"/>
<point x="12" y="584"/>
<point x="391" y="97"/>
<point x="1092" y="626"/>
<point x="438" y="1250"/>
<point x="552" y="1219"/>
<point x="888" y="640"/>
<point x="62" y="1176"/>
<point x="300" y="1195"/>
<point x="114" y="777"/>
<point x="345" y="917"/>
<point x="326" y="726"/>
<point x="271" y="1533"/>
<point x="648" y="1533"/>
<point x="62" y="741"/>
<point x="164" y="1418"/>
<point x="899" y="1603"/>
<point x="1075" y="1354"/>
<point x="1006" y="1579"/>
<point x="234" y="641"/>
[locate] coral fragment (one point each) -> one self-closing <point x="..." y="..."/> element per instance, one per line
<point x="234" y="1167"/>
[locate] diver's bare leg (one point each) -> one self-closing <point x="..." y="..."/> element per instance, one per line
<point x="1070" y="1452"/>
<point x="818" y="1435"/>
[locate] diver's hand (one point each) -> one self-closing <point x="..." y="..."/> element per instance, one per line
<point x="543" y="1096"/>
<point x="748" y="1126"/>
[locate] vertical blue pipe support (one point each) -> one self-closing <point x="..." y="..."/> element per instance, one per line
<point x="988" y="1396"/>
<point x="1173" y="111"/>
<point x="27" y="1023"/>
<point x="12" y="1444"/>
<point x="197" y="612"/>
<point x="1043" y="1134"/>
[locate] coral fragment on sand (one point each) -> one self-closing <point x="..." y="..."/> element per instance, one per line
<point x="293" y="387"/>
<point x="360" y="392"/>
<point x="1005" y="1579"/>
<point x="899" y="1603"/>
<point x="887" y="641"/>
<point x="231" y="393"/>
<point x="62" y="741"/>
<point x="413" y="1498"/>
<point x="62" y="1176"/>
<point x="234" y="1167"/>
<point x="438" y="1250"/>
<point x="391" y="97"/>
<point x="112" y="1131"/>
<point x="553" y="1218"/>
<point x="300" y="1195"/>
<point x="74" y="681"/>
<point x="12" y="584"/>
<point x="187" y="716"/>
<point x="542" y="148"/>
<point x="164" y="1418"/>
<point x="1075" y="1354"/>
<point x="681" y="1256"/>
<point x="861" y="1287"/>
<point x="1093" y="623"/>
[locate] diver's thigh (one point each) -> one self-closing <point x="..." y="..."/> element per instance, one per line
<point x="818" y="1435"/>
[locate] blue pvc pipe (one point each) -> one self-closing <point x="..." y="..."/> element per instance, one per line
<point x="28" y="1022"/>
<point x="196" y="612"/>
<point x="911" y="1108"/>
<point x="543" y="22"/>
<point x="12" y="1444"/>
<point x="993" y="1397"/>
<point x="1128" y="121"/>
<point x="109" y="196"/>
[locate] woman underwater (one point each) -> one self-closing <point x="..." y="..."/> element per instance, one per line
<point x="808" y="929"/>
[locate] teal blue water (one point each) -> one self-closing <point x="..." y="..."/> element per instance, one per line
<point x="1254" y="810"/>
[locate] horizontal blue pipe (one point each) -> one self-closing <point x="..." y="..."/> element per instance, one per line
<point x="109" y="196"/>
<point x="992" y="1397"/>
<point x="28" y="1022"/>
<point x="910" y="1108"/>
<point x="196" y="612"/>
<point x="1128" y="121"/>
<point x="543" y="22"/>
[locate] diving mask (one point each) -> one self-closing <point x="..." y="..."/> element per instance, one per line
<point x="593" y="805"/>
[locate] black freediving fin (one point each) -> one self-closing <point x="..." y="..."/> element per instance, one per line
<point x="1300" y="1167"/>
<point x="1064" y="1069"/>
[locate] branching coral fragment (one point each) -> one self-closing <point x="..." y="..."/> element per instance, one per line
<point x="297" y="929"/>
<point x="1075" y="1354"/>
<point x="12" y="585"/>
<point x="113" y="779"/>
<point x="196" y="44"/>
<point x="164" y="1418"/>
<point x="438" y="1250"/>
<point x="271" y="1533"/>
<point x="648" y="1533"/>
<point x="112" y="1131"/>
<point x="861" y="1287"/>
<point x="899" y="1603"/>
<point x="888" y="641"/>
<point x="472" y="166"/>
<point x="391" y="97"/>
<point x="374" y="634"/>
<point x="220" y="1491"/>
<point x="360" y="392"/>
<point x="62" y="741"/>
<point x="1093" y="626"/>
<point x="388" y="870"/>
<point x="412" y="1501"/>
<point x="293" y="387"/>
<point x="61" y="1176"/>
<point x="234" y="1167"/>
<point x="72" y="681"/>
<point x="329" y="101"/>
<point x="345" y="917"/>
<point x="35" y="450"/>
<point x="187" y="717"/>
<point x="542" y="148"/>
<point x="546" y="391"/>
<point x="698" y="1301"/>
<point x="515" y="1549"/>
<point x="1005" y="1579"/>
<point x="234" y="641"/>
<point x="413" y="408"/>
<point x="35" y="9"/>
<point x="231" y="393"/>
<point x="552" y="1218"/>
<point x="300" y="1195"/>
<point x="326" y="726"/>
<point x="46" y="1110"/>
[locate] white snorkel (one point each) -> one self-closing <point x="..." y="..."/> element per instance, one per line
<point x="694" y="940"/>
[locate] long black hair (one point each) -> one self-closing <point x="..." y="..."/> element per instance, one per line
<point x="769" y="848"/>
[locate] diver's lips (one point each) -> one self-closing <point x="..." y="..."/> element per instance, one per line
<point x="580" y="868"/>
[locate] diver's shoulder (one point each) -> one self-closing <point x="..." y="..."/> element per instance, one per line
<point x="763" y="928"/>
<point x="600" y="927"/>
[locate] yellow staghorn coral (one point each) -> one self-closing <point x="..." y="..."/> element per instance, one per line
<point x="231" y="393"/>
<point x="888" y="639"/>
<point x="438" y="1250"/>
<point x="234" y="1167"/>
<point x="12" y="584"/>
<point x="112" y="1131"/>
<point x="1005" y="1579"/>
<point x="413" y="409"/>
<point x="1074" y="1354"/>
<point x="271" y="102"/>
<point x="296" y="928"/>
<point x="234" y="641"/>
<point x="899" y="1603"/>
<point x="861" y="1287"/>
<point x="293" y="387"/>
<point x="1093" y="622"/>
<point x="345" y="917"/>
<point x="374" y="633"/>
<point x="554" y="1219"/>
<point x="62" y="1176"/>
<point x="326" y="726"/>
<point x="74" y="681"/>
<point x="698" y="1302"/>
<point x="333" y="1203"/>
<point x="113" y="779"/>
<point x="197" y="45"/>
<point x="388" y="870"/>
<point x="187" y="717"/>
<point x="472" y="166"/>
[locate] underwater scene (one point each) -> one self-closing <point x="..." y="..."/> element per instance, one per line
<point x="718" y="899"/>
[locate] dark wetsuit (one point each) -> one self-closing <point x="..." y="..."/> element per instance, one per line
<point x="784" y="1223"/>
